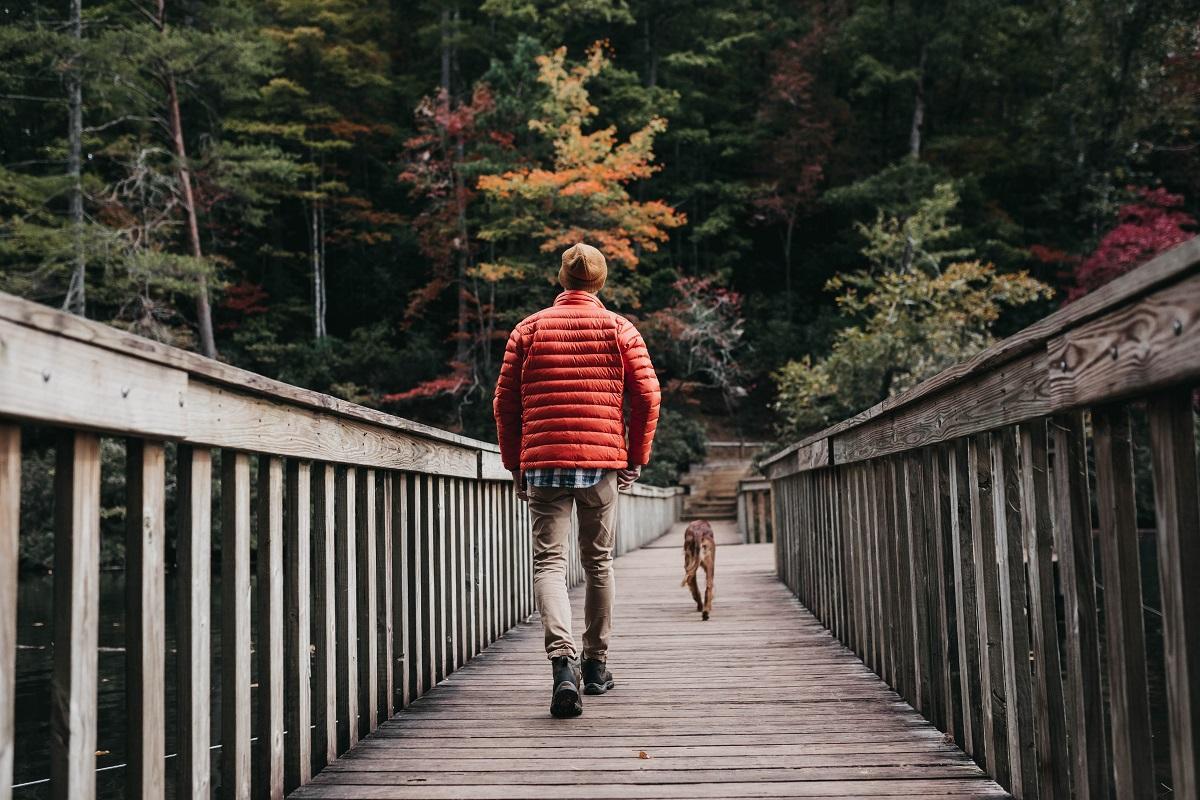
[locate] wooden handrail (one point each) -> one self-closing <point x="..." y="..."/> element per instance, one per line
<point x="1054" y="365"/>
<point x="387" y="553"/>
<point x="938" y="533"/>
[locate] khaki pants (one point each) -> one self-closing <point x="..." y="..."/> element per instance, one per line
<point x="550" y="508"/>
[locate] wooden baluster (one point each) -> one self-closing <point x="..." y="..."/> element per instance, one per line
<point x="325" y="707"/>
<point x="452" y="532"/>
<point x="991" y="666"/>
<point x="194" y="643"/>
<point x="1173" y="441"/>
<point x="921" y="572"/>
<point x="1050" y="726"/>
<point x="401" y="566"/>
<point x="1132" y="750"/>
<point x="269" y="648"/>
<point x="429" y="570"/>
<point x="966" y="594"/>
<point x="418" y="563"/>
<point x="476" y="568"/>
<point x="347" y="609"/>
<point x="298" y="589"/>
<point x="366" y="703"/>
<point x="76" y="608"/>
<point x="861" y="551"/>
<point x="145" y="598"/>
<point x="944" y="638"/>
<point x="493" y="562"/>
<point x="1014" y="639"/>
<point x="10" y="518"/>
<point x="1073" y="541"/>
<point x="437" y="644"/>
<point x="385" y="629"/>
<point x="235" y="625"/>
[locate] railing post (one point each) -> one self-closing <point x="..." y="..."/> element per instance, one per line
<point x="235" y="625"/>
<point x="10" y="518"/>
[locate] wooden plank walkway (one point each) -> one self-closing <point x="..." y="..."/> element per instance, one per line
<point x="760" y="701"/>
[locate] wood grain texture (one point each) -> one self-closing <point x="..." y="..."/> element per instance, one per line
<point x="1166" y="268"/>
<point x="10" y="517"/>
<point x="226" y="418"/>
<point x="235" y="626"/>
<point x="52" y="379"/>
<point x="485" y="731"/>
<point x="1172" y="439"/>
<point x="1073" y="543"/>
<point x="1143" y="346"/>
<point x="193" y="770"/>
<point x="367" y="602"/>
<point x="347" y="609"/>
<point x="1006" y="395"/>
<point x="1132" y="751"/>
<point x="1049" y="702"/>
<point x="1014" y="626"/>
<point x="107" y="340"/>
<point x="74" y="681"/>
<point x="384" y="619"/>
<point x="325" y="615"/>
<point x="145" y="599"/>
<point x="298" y="586"/>
<point x="269" y="646"/>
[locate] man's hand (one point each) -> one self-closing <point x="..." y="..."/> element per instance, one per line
<point x="627" y="477"/>
<point x="519" y="482"/>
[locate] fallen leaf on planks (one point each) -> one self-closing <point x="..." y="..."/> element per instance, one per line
<point x="643" y="754"/>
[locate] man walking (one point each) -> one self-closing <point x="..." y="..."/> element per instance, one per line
<point x="570" y="373"/>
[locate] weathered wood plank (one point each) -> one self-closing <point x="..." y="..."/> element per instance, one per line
<point x="1011" y="393"/>
<point x="76" y="609"/>
<point x="1014" y="627"/>
<point x="966" y="594"/>
<point x="366" y="702"/>
<point x="347" y="609"/>
<point x="145" y="598"/>
<point x="1173" y="438"/>
<point x="325" y="616"/>
<point x="298" y="588"/>
<point x="194" y="578"/>
<point x="1133" y="350"/>
<point x="10" y="517"/>
<point x="1050" y="731"/>
<point x="235" y="625"/>
<point x="114" y="340"/>
<point x="52" y="379"/>
<point x="401" y="571"/>
<point x="269" y="647"/>
<point x="227" y="418"/>
<point x="983" y="535"/>
<point x="1073" y="543"/>
<point x="1132" y="751"/>
<point x="385" y="629"/>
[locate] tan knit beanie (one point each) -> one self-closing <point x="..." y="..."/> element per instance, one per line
<point x="583" y="267"/>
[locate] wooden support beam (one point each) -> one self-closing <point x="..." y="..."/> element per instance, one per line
<point x="298" y="600"/>
<point x="145" y="599"/>
<point x="269" y="647"/>
<point x="10" y="518"/>
<point x="194" y="637"/>
<point x="74" y="681"/>
<point x="325" y="666"/>
<point x="235" y="625"/>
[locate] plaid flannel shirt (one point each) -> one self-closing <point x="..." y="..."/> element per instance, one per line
<point x="564" y="477"/>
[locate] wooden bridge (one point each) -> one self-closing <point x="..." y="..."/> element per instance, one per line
<point x="950" y="620"/>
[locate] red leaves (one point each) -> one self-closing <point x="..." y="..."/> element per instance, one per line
<point x="1144" y="230"/>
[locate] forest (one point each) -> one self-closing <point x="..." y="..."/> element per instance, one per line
<point x="806" y="205"/>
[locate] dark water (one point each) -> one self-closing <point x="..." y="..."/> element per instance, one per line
<point x="35" y="656"/>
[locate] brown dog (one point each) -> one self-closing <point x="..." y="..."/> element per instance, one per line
<point x="699" y="550"/>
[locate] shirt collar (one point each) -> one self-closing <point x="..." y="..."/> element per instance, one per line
<point x="577" y="297"/>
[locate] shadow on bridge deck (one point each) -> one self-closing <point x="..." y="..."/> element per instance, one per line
<point x="760" y="701"/>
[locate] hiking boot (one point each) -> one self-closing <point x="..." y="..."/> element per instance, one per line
<point x="566" y="700"/>
<point x="596" y="677"/>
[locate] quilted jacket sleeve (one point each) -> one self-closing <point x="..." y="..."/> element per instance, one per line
<point x="641" y="387"/>
<point x="507" y="402"/>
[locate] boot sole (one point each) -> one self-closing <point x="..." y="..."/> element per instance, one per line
<point x="566" y="702"/>
<point x="598" y="688"/>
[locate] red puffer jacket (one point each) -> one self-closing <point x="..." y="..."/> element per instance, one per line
<point x="560" y="396"/>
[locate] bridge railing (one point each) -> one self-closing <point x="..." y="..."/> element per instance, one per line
<point x="976" y="541"/>
<point x="754" y="510"/>
<point x="362" y="558"/>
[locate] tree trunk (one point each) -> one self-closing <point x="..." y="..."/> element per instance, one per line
<point x="76" y="299"/>
<point x="787" y="263"/>
<point x="445" y="35"/>
<point x="918" y="117"/>
<point x="314" y="248"/>
<point x="208" y="345"/>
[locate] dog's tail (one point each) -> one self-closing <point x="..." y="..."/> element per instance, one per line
<point x="689" y="568"/>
